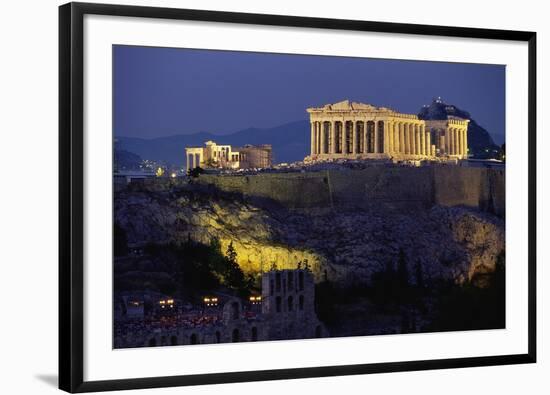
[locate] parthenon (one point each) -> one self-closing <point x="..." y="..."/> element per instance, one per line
<point x="351" y="130"/>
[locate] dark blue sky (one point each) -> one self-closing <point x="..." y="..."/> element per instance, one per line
<point x="166" y="91"/>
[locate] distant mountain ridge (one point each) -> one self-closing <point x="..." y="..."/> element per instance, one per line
<point x="125" y="160"/>
<point x="290" y="143"/>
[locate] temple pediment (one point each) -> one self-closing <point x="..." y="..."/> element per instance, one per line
<point x="346" y="105"/>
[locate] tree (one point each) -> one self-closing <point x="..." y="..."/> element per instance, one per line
<point x="120" y="241"/>
<point x="402" y="271"/>
<point x="419" y="275"/>
<point x="502" y="153"/>
<point x="233" y="276"/>
<point x="195" y="172"/>
<point x="231" y="254"/>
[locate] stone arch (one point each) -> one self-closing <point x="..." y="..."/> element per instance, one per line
<point x="278" y="304"/>
<point x="254" y="334"/>
<point x="234" y="311"/>
<point x="318" y="331"/>
<point x="235" y="335"/>
<point x="231" y="310"/>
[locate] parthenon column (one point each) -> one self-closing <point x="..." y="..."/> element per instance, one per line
<point x="343" y="137"/>
<point x="322" y="137"/>
<point x="353" y="133"/>
<point x="412" y="145"/>
<point x="416" y="139"/>
<point x="459" y="138"/>
<point x="455" y="141"/>
<point x="318" y="137"/>
<point x="417" y="142"/>
<point x="401" y="138"/>
<point x="375" y="137"/>
<point x="396" y="145"/>
<point x="332" y="147"/>
<point x="367" y="135"/>
<point x="312" y="138"/>
<point x="459" y="141"/>
<point x="390" y="136"/>
<point x="465" y="141"/>
<point x="386" y="146"/>
<point x="407" y="144"/>
<point x="407" y="138"/>
<point x="353" y="138"/>
<point x="422" y="139"/>
<point x="412" y="139"/>
<point x="428" y="143"/>
<point x="387" y="136"/>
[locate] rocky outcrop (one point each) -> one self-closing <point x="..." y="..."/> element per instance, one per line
<point x="347" y="246"/>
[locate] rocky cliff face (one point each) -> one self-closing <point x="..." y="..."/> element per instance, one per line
<point x="346" y="246"/>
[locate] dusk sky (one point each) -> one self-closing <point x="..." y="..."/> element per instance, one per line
<point x="164" y="91"/>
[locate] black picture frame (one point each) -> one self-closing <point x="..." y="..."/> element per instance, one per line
<point x="71" y="224"/>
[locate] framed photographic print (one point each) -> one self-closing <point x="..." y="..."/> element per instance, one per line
<point x="258" y="197"/>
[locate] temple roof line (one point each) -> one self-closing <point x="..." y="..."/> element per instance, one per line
<point x="347" y="105"/>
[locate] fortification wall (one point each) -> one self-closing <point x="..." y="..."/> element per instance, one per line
<point x="293" y="190"/>
<point x="445" y="185"/>
<point x="472" y="187"/>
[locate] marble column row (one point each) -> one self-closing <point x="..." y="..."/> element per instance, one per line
<point x="456" y="141"/>
<point x="408" y="138"/>
<point x="355" y="137"/>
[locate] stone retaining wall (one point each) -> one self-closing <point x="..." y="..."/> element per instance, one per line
<point x="444" y="185"/>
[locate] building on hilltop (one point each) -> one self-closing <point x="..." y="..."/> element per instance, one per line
<point x="214" y="155"/>
<point x="350" y="130"/>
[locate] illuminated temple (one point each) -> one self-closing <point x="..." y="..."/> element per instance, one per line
<point x="350" y="130"/>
